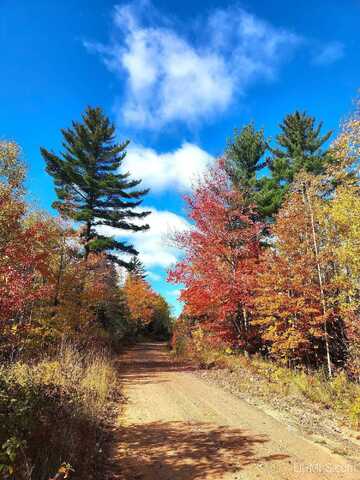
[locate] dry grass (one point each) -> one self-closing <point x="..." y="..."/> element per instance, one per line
<point x="57" y="407"/>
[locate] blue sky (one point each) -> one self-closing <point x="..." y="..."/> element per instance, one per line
<point x="177" y="77"/>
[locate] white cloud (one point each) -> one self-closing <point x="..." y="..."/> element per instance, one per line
<point x="171" y="78"/>
<point x="176" y="169"/>
<point x="154" y="245"/>
<point x="329" y="53"/>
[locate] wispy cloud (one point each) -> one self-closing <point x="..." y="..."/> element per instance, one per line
<point x="171" y="78"/>
<point x="159" y="171"/>
<point x="329" y="53"/>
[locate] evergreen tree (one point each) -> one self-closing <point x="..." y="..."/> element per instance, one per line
<point x="136" y="267"/>
<point x="89" y="186"/>
<point x="299" y="148"/>
<point x="243" y="159"/>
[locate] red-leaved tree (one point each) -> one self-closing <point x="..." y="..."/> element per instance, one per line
<point x="221" y="257"/>
<point x="23" y="251"/>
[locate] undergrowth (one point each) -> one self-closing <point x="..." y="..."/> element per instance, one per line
<point x="53" y="412"/>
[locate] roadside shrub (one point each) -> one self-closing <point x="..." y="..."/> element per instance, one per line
<point x="196" y="345"/>
<point x="178" y="345"/>
<point x="53" y="412"/>
<point x="354" y="412"/>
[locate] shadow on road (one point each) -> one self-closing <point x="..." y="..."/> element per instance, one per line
<point x="185" y="451"/>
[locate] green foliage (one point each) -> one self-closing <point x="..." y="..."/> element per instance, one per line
<point x="8" y="454"/>
<point x="243" y="159"/>
<point x="90" y="188"/>
<point x="136" y="267"/>
<point x="162" y="322"/>
<point x="299" y="147"/>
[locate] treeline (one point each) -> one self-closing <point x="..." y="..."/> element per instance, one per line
<point x="69" y="292"/>
<point x="272" y="265"/>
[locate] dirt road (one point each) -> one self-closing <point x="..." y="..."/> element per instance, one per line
<point x="176" y="426"/>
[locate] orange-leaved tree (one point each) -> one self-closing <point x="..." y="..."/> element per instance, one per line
<point x="299" y="320"/>
<point x="140" y="300"/>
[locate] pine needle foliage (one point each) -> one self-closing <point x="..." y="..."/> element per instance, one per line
<point x="90" y="186"/>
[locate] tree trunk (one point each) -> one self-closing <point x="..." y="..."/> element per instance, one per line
<point x="87" y="239"/>
<point x="245" y="319"/>
<point x="58" y="279"/>
<point x="318" y="267"/>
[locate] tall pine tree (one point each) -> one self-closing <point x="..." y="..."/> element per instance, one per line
<point x="244" y="159"/>
<point x="299" y="147"/>
<point x="90" y="187"/>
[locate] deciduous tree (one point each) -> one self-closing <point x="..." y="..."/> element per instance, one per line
<point x="221" y="257"/>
